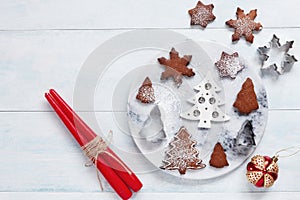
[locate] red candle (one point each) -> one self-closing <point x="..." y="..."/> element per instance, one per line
<point x="113" y="179"/>
<point x="122" y="170"/>
<point x="79" y="138"/>
<point x="109" y="164"/>
<point x="111" y="158"/>
<point x="109" y="174"/>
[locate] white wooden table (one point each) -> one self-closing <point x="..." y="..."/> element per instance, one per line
<point x="43" y="45"/>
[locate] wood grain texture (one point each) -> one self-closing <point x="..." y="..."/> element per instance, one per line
<point x="37" y="60"/>
<point x="149" y="196"/>
<point x="43" y="45"/>
<point x="47" y="158"/>
<point x="104" y="14"/>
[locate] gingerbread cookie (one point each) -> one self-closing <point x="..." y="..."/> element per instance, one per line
<point x="244" y="25"/>
<point x="176" y="67"/>
<point x="218" y="157"/>
<point x="182" y="155"/>
<point x="246" y="100"/>
<point x="202" y="14"/>
<point x="229" y="65"/>
<point x="146" y="92"/>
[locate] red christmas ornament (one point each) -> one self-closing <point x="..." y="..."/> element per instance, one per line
<point x="262" y="171"/>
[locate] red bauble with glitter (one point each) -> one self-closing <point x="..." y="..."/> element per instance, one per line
<point x="262" y="171"/>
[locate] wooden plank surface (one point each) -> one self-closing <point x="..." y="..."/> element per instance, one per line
<point x="93" y="14"/>
<point x="31" y="62"/>
<point x="47" y="159"/>
<point x="149" y="196"/>
<point x="43" y="44"/>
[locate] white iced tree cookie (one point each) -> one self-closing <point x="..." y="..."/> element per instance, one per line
<point x="206" y="104"/>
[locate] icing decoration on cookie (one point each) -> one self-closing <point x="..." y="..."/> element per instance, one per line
<point x="176" y="67"/>
<point x="146" y="92"/>
<point x="202" y="14"/>
<point x="182" y="154"/>
<point x="246" y="100"/>
<point x="244" y="25"/>
<point x="275" y="57"/>
<point x="218" y="157"/>
<point x="229" y="65"/>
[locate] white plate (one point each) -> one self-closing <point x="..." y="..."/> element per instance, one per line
<point x="111" y="75"/>
<point x="172" y="100"/>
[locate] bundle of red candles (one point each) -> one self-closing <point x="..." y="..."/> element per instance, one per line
<point x="113" y="169"/>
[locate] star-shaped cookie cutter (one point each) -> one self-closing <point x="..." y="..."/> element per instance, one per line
<point x="275" y="57"/>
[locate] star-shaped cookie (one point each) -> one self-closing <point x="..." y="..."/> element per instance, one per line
<point x="202" y="14"/>
<point x="244" y="25"/>
<point x="229" y="65"/>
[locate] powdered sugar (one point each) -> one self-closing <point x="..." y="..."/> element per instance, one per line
<point x="182" y="155"/>
<point x="202" y="14"/>
<point x="229" y="65"/>
<point x="244" y="26"/>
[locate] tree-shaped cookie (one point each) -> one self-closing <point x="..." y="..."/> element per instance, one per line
<point x="202" y="14"/>
<point x="176" y="67"/>
<point x="244" y="25"/>
<point x="246" y="100"/>
<point x="207" y="102"/>
<point x="146" y="92"/>
<point x="218" y="157"/>
<point x="182" y="155"/>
